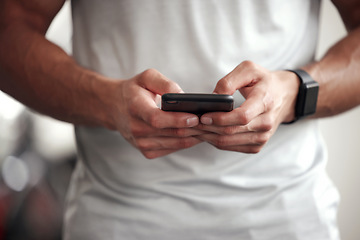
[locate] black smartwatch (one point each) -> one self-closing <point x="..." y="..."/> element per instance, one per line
<point x="307" y="96"/>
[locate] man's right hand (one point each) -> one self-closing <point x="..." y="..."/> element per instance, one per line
<point x="43" y="77"/>
<point x="136" y="116"/>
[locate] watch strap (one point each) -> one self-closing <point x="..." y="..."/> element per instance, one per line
<point x="307" y="96"/>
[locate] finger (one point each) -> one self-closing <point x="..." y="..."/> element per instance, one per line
<point x="159" y="119"/>
<point x="242" y="115"/>
<point x="152" y="154"/>
<point x="165" y="143"/>
<point x="139" y="128"/>
<point x="243" y="148"/>
<point x="225" y="141"/>
<point x="180" y="132"/>
<point x="144" y="107"/>
<point x="262" y="123"/>
<point x="257" y="103"/>
<point x="157" y="83"/>
<point x="245" y="74"/>
<point x="157" y="153"/>
<point x="228" y="130"/>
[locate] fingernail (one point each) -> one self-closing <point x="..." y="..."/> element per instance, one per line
<point x="206" y="120"/>
<point x="191" y="122"/>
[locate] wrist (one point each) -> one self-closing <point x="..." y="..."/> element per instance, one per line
<point x="110" y="99"/>
<point x="96" y="101"/>
<point x="291" y="88"/>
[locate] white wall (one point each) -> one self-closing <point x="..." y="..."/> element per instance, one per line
<point x="342" y="135"/>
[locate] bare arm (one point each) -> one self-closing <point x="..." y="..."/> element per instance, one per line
<point x="249" y="127"/>
<point x="35" y="71"/>
<point x="43" y="77"/>
<point x="338" y="72"/>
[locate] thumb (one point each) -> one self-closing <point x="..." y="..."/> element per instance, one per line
<point x="157" y="83"/>
<point x="244" y="75"/>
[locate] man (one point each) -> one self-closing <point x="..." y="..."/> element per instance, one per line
<point x="203" y="184"/>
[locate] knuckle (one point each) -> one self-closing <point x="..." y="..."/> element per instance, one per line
<point x="267" y="126"/>
<point x="221" y="119"/>
<point x="149" y="73"/>
<point x="135" y="142"/>
<point x="245" y="117"/>
<point x="132" y="109"/>
<point x="256" y="70"/>
<point x="221" y="142"/>
<point x="185" y="142"/>
<point x="135" y="130"/>
<point x="142" y="145"/>
<point x="148" y="76"/>
<point x="268" y="123"/>
<point x="155" y="121"/>
<point x="230" y="130"/>
<point x="248" y="64"/>
<point x="248" y="128"/>
<point x="133" y="105"/>
<point x="226" y="85"/>
<point x="149" y="154"/>
<point x="263" y="138"/>
<point x="170" y="86"/>
<point x="254" y="149"/>
<point x="221" y="147"/>
<point x="268" y="101"/>
<point x="260" y="139"/>
<point x="179" y="132"/>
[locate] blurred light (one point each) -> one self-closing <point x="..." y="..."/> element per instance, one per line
<point x="12" y="124"/>
<point x="36" y="167"/>
<point x="9" y="108"/>
<point x="15" y="173"/>
<point x="60" y="30"/>
<point x="53" y="140"/>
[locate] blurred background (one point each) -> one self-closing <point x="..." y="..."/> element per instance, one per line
<point x="37" y="156"/>
<point x="37" y="153"/>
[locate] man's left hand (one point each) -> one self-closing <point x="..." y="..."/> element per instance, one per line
<point x="270" y="100"/>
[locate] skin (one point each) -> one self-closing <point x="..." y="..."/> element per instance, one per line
<point x="43" y="77"/>
<point x="249" y="127"/>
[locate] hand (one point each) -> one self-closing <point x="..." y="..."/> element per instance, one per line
<point x="270" y="100"/>
<point x="153" y="131"/>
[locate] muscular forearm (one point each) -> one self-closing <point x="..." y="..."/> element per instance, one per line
<point x="45" y="78"/>
<point x="42" y="76"/>
<point x="338" y="74"/>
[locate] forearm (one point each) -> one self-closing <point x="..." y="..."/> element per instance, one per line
<point x="43" y="77"/>
<point x="338" y="74"/>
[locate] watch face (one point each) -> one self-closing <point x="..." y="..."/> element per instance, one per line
<point x="311" y="90"/>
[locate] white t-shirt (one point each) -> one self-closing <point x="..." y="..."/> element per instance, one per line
<point x="282" y="192"/>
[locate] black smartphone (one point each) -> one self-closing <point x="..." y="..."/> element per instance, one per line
<point x="197" y="103"/>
